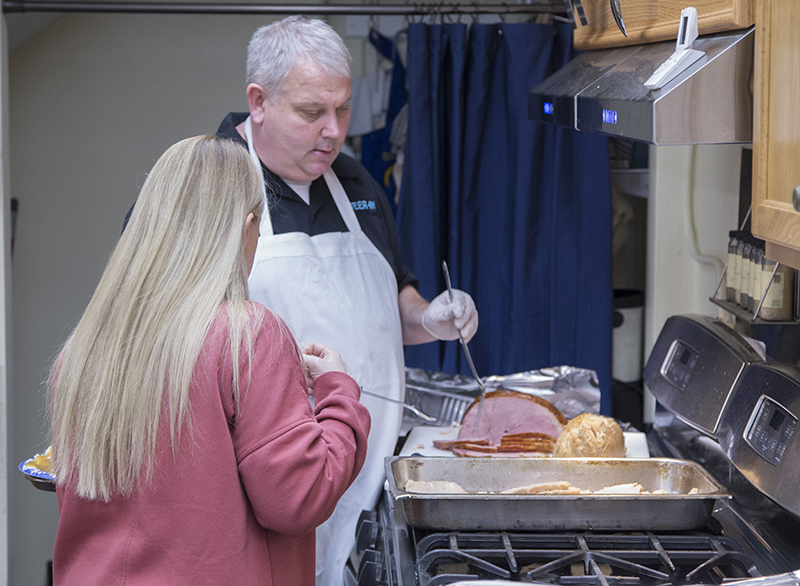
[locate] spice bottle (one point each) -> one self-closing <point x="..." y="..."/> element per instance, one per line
<point x="737" y="270"/>
<point x="746" y="266"/>
<point x="779" y="301"/>
<point x="730" y="273"/>
<point x="756" y="259"/>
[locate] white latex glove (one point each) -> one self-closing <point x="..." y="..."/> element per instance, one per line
<point x="318" y="360"/>
<point x="444" y="319"/>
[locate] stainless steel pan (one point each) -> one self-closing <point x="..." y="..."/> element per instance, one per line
<point x="483" y="509"/>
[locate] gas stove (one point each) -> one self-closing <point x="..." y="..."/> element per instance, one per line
<point x="749" y="537"/>
<point x="752" y="538"/>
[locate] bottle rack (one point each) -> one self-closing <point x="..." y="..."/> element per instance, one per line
<point x="752" y="317"/>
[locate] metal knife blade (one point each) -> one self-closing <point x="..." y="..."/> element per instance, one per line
<point x="570" y="13"/>
<point x="581" y="12"/>
<point x="616" y="10"/>
<point x="466" y="349"/>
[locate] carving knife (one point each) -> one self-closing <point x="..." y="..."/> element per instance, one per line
<point x="616" y="10"/>
<point x="466" y="349"/>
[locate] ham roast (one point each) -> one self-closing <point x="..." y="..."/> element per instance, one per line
<point x="512" y="424"/>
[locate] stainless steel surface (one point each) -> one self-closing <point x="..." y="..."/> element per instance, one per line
<point x="693" y="366"/>
<point x="446" y="407"/>
<point x="758" y="431"/>
<point x="616" y="10"/>
<point x="466" y="349"/>
<point x="676" y="510"/>
<point x="604" y="92"/>
<point x="765" y="530"/>
<point x="570" y="13"/>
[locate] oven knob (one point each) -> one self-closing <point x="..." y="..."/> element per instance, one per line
<point x="366" y="530"/>
<point x="370" y="570"/>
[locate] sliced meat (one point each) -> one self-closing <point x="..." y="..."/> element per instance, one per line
<point x="434" y="487"/>
<point x="628" y="488"/>
<point x="511" y="413"/>
<point x="450" y="444"/>
<point x="541" y="487"/>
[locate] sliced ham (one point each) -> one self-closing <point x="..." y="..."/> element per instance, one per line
<point x="511" y="413"/>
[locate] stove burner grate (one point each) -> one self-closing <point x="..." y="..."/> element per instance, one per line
<point x="599" y="559"/>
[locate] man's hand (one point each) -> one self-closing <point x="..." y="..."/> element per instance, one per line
<point x="444" y="319"/>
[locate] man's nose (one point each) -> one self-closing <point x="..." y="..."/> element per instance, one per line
<point x="332" y="127"/>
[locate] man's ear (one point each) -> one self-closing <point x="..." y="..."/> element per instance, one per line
<point x="256" y="96"/>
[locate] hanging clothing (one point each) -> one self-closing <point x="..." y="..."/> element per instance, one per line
<point x="337" y="288"/>
<point x="520" y="210"/>
<point x="369" y="102"/>
<point x="377" y="154"/>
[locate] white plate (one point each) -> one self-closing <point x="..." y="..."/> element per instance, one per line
<point x="420" y="441"/>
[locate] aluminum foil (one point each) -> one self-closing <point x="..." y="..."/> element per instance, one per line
<point x="572" y="390"/>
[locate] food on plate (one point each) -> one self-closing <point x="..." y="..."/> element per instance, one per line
<point x="512" y="424"/>
<point x="590" y="436"/>
<point x="434" y="487"/>
<point x="41" y="461"/>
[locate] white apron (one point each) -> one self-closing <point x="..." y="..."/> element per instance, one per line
<point x="339" y="290"/>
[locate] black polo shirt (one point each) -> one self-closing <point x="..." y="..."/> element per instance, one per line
<point x="289" y="213"/>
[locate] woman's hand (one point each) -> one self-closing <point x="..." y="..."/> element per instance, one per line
<point x="320" y="359"/>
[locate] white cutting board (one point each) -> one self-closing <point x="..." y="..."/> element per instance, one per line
<point x="420" y="441"/>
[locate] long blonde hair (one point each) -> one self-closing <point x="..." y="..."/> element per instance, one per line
<point x="179" y="261"/>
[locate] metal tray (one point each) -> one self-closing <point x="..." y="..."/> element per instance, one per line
<point x="676" y="510"/>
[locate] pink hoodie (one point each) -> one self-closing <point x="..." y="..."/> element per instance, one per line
<point x="242" y="502"/>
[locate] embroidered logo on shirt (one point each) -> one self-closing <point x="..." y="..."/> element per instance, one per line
<point x="363" y="205"/>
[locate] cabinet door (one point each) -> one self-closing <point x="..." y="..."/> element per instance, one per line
<point x="776" y="143"/>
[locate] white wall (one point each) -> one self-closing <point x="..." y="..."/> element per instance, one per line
<point x="94" y="101"/>
<point x="699" y="182"/>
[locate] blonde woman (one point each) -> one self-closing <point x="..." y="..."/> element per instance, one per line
<point x="185" y="447"/>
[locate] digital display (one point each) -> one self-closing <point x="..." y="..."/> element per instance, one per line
<point x="609" y="116"/>
<point x="680" y="364"/>
<point x="548" y="108"/>
<point x="777" y="420"/>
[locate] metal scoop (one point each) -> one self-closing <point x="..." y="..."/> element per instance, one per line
<point x="466" y="349"/>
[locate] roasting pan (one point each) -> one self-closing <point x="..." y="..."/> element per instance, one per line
<point x="482" y="508"/>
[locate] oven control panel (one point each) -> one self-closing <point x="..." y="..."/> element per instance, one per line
<point x="693" y="367"/>
<point x="680" y="363"/>
<point x="758" y="430"/>
<point x="770" y="428"/>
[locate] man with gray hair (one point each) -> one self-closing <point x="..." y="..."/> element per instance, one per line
<point x="328" y="260"/>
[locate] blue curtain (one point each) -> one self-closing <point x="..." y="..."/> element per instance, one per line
<point x="521" y="211"/>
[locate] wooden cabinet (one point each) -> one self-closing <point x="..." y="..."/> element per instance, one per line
<point x="776" y="132"/>
<point x="647" y="21"/>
